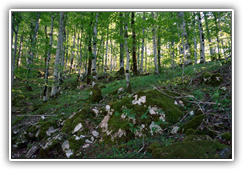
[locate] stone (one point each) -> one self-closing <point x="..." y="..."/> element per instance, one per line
<point x="141" y="100"/>
<point x="104" y="123"/>
<point x="78" y="127"/>
<point x="50" y="131"/>
<point x="95" y="133"/>
<point x="155" y="129"/>
<point x="225" y="153"/>
<point x="88" y="141"/>
<point x="174" y="130"/>
<point x="65" y="148"/>
<point x="32" y="151"/>
<point x="95" y="111"/>
<point x="85" y="146"/>
<point x="120" y="90"/>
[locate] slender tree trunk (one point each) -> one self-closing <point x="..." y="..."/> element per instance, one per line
<point x="76" y="54"/>
<point x="208" y="34"/>
<point x="106" y="48"/>
<point x="57" y="59"/>
<point x="202" y="60"/>
<point x="72" y="57"/>
<point x="145" y="55"/>
<point x="221" y="37"/>
<point x="134" y="58"/>
<point x="20" y="51"/>
<point x="80" y="56"/>
<point x="158" y="48"/>
<point x="155" y="45"/>
<point x="111" y="57"/>
<point x="172" y="46"/>
<point x="90" y="52"/>
<point x="94" y="73"/>
<point x="127" y="74"/>
<point x="195" y="42"/>
<point x="48" y="61"/>
<point x="65" y="75"/>
<point x="217" y="33"/>
<point x="121" y="45"/>
<point x="142" y="53"/>
<point x="62" y="52"/>
<point x="15" y="49"/>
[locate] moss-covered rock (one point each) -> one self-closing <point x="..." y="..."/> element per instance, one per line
<point x="194" y="123"/>
<point x="214" y="79"/>
<point x="197" y="137"/>
<point x="190" y="150"/>
<point x="96" y="94"/>
<point x="153" y="146"/>
<point x="144" y="113"/>
<point x="52" y="149"/>
<point x="77" y="118"/>
<point x="75" y="144"/>
<point x="226" y="136"/>
<point x="190" y="132"/>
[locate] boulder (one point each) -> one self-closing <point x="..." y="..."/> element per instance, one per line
<point x="142" y="114"/>
<point x="95" y="94"/>
<point x="214" y="79"/>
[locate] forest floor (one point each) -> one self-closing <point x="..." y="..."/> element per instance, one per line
<point x="41" y="130"/>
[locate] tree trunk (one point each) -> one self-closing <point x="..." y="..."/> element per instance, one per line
<point x="121" y="45"/>
<point x="66" y="50"/>
<point x="127" y="74"/>
<point x="145" y="55"/>
<point x="106" y="49"/>
<point x="217" y="33"/>
<point x="154" y="45"/>
<point x="221" y="37"/>
<point x="80" y="56"/>
<point x="134" y="58"/>
<point x="208" y="34"/>
<point x="142" y="53"/>
<point x="58" y="51"/>
<point x="202" y="57"/>
<point x="76" y="54"/>
<point x="172" y="46"/>
<point x="15" y="49"/>
<point x="71" y="63"/>
<point x="94" y="73"/>
<point x="158" y="48"/>
<point x="195" y="42"/>
<point x="20" y="50"/>
<point x="48" y="61"/>
<point x="90" y="52"/>
<point x="62" y="51"/>
<point x="111" y="57"/>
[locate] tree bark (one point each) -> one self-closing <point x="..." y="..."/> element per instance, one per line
<point x="94" y="73"/>
<point x="134" y="58"/>
<point x="202" y="57"/>
<point x="195" y="42"/>
<point x="208" y="34"/>
<point x="57" y="58"/>
<point x="127" y="74"/>
<point x="48" y="61"/>
<point x="106" y="49"/>
<point x="142" y="53"/>
<point x="154" y="46"/>
<point x="90" y="52"/>
<point x="221" y="37"/>
<point x="121" y="45"/>
<point x="20" y="50"/>
<point x="217" y="33"/>
<point x="71" y="62"/>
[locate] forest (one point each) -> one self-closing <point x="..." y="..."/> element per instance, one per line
<point x="121" y="85"/>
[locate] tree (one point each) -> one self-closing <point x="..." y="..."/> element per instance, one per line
<point x="154" y="44"/>
<point x="58" y="51"/>
<point x="202" y="54"/>
<point x="221" y="37"/>
<point x="194" y="38"/>
<point x="208" y="34"/>
<point x="134" y="58"/>
<point x="127" y="74"/>
<point x="48" y="60"/>
<point x="94" y="74"/>
<point x="141" y="65"/>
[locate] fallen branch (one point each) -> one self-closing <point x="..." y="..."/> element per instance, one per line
<point x="34" y="115"/>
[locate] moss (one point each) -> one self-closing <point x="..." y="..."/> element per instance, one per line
<point x="197" y="137"/>
<point x="214" y="79"/>
<point x="52" y="151"/>
<point x="96" y="94"/>
<point x="194" y="123"/>
<point x="190" y="150"/>
<point x="153" y="146"/>
<point x="75" y="144"/>
<point x="226" y="136"/>
<point x="79" y="117"/>
<point x="206" y="131"/>
<point x="190" y="132"/>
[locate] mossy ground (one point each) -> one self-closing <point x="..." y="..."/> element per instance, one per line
<point x="73" y="100"/>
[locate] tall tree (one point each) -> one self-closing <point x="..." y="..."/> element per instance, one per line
<point x="155" y="44"/>
<point x="94" y="73"/>
<point x="127" y="74"/>
<point x="73" y="52"/>
<point x="121" y="45"/>
<point x="106" y="48"/>
<point x="202" y="54"/>
<point x="58" y="51"/>
<point x="217" y="33"/>
<point x="48" y="60"/>
<point x="134" y="58"/>
<point x="142" y="53"/>
<point x="208" y="34"/>
<point x="194" y="38"/>
<point x="221" y="36"/>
